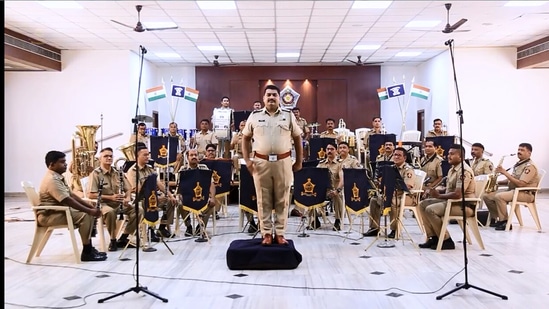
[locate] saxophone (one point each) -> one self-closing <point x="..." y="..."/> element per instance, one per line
<point x="492" y="184"/>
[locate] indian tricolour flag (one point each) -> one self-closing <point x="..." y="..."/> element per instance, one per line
<point x="382" y="94"/>
<point x="191" y="94"/>
<point x="420" y="91"/>
<point x="155" y="93"/>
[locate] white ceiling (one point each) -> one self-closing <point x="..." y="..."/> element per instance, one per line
<point x="323" y="32"/>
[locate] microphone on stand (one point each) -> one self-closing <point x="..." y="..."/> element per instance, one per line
<point x="449" y="42"/>
<point x="144" y="50"/>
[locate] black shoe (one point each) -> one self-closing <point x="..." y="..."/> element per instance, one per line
<point x="216" y="216"/>
<point x="99" y="252"/>
<point x="153" y="237"/>
<point x="429" y="243"/>
<point x="163" y="232"/>
<point x="113" y="246"/>
<point x="371" y="233"/>
<point x="493" y="223"/>
<point x="337" y="225"/>
<point x="447" y="244"/>
<point x="92" y="257"/>
<point x="189" y="231"/>
<point x="391" y="235"/>
<point x="502" y="225"/>
<point x="121" y="243"/>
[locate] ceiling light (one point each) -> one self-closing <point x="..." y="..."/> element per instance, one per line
<point x="366" y="47"/>
<point x="167" y="55"/>
<point x="525" y="3"/>
<point x="216" y="5"/>
<point x="211" y="48"/>
<point x="371" y="4"/>
<point x="422" y="23"/>
<point x="287" y="55"/>
<point x="159" y="24"/>
<point x="408" y="54"/>
<point x="61" y="4"/>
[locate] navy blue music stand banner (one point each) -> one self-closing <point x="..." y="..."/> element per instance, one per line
<point x="357" y="189"/>
<point x="377" y="141"/>
<point x="317" y="146"/>
<point x="247" y="195"/>
<point x="150" y="199"/>
<point x="194" y="188"/>
<point x="222" y="170"/>
<point x="310" y="186"/>
<point x="159" y="150"/>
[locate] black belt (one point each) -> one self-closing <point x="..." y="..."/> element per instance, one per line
<point x="278" y="156"/>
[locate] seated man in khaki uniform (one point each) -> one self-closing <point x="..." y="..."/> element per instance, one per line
<point x="431" y="164"/>
<point x="54" y="191"/>
<point x="479" y="164"/>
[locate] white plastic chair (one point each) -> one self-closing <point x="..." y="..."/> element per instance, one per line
<point x="42" y="233"/>
<point x="531" y="206"/>
<point x="360" y="134"/>
<point x="420" y="177"/>
<point x="471" y="222"/>
<point x="411" y="136"/>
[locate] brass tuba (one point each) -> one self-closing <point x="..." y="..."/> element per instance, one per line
<point x="83" y="156"/>
<point x="128" y="150"/>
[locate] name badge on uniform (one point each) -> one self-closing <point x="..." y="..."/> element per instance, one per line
<point x="273" y="158"/>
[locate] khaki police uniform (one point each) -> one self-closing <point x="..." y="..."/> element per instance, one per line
<point x="384" y="157"/>
<point x="145" y="139"/>
<point x="109" y="209"/>
<point x="327" y="134"/>
<point x="272" y="135"/>
<point x="496" y="202"/>
<point x="482" y="166"/>
<point x="350" y="162"/>
<point x="433" y="133"/>
<point x="53" y="190"/>
<point x="432" y="166"/>
<point x="202" y="139"/>
<point x="406" y="171"/>
<point x="334" y="166"/>
<point x="432" y="210"/>
<point x="167" y="206"/>
<point x="236" y="143"/>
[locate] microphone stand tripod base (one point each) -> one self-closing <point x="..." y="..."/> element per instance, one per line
<point x="201" y="239"/>
<point x="149" y="249"/>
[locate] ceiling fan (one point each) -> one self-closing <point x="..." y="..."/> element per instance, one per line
<point x="139" y="26"/>
<point x="451" y="28"/>
<point x="359" y="62"/>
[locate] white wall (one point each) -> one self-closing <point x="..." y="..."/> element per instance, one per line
<point x="502" y="106"/>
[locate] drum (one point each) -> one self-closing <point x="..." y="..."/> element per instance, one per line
<point x="164" y="131"/>
<point x="221" y="120"/>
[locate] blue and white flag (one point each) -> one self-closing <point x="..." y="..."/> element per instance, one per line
<point x="178" y="91"/>
<point x="395" y="91"/>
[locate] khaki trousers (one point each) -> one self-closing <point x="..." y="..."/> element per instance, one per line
<point x="81" y="220"/>
<point x="497" y="202"/>
<point x="272" y="182"/>
<point x="432" y="212"/>
<point x="375" y="211"/>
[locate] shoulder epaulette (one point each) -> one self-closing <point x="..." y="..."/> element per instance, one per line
<point x="323" y="161"/>
<point x="257" y="111"/>
<point x="97" y="169"/>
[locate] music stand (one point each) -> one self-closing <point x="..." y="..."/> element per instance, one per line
<point x="310" y="188"/>
<point x="247" y="196"/>
<point x="194" y="187"/>
<point x="356" y="188"/>
<point x="137" y="288"/>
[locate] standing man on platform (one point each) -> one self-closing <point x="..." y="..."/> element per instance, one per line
<point x="273" y="130"/>
<point x="437" y="129"/>
<point x="479" y="164"/>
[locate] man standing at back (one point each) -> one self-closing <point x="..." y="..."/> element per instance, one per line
<point x="273" y="130"/>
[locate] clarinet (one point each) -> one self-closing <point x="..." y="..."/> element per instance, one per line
<point x="94" y="230"/>
<point x="120" y="191"/>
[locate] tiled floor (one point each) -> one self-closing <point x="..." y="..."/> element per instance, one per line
<point x="336" y="271"/>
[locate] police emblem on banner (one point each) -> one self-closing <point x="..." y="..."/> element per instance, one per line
<point x="194" y="188"/>
<point x="150" y="200"/>
<point x="377" y="142"/>
<point x="356" y="189"/>
<point x="289" y="97"/>
<point x="317" y="147"/>
<point x="310" y="186"/>
<point x="222" y="173"/>
<point x="247" y="195"/>
<point x="161" y="151"/>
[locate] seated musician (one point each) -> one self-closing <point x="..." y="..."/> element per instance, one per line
<point x="525" y="174"/>
<point x="236" y="145"/>
<point x="330" y="133"/>
<point x="192" y="163"/>
<point x="173" y="132"/>
<point x="432" y="209"/>
<point x="479" y="164"/>
<point x="116" y="193"/>
<point x="437" y="129"/>
<point x="203" y="138"/>
<point x="257" y="105"/>
<point x="211" y="155"/>
<point x="166" y="203"/>
<point x="336" y="180"/>
<point x="76" y="174"/>
<point x="347" y="160"/>
<point x="54" y="191"/>
<point x="387" y="154"/>
<point x="141" y="136"/>
<point x="431" y="164"/>
<point x="376" y="129"/>
<point x="407" y="173"/>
